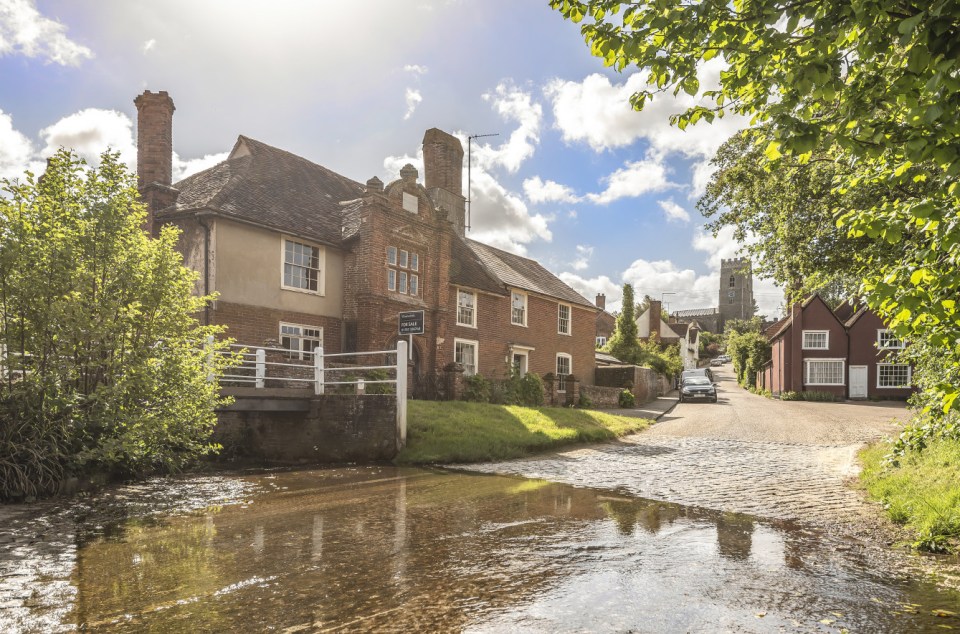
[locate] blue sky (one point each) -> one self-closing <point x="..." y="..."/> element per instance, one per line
<point x="599" y="194"/>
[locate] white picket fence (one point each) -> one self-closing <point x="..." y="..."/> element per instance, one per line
<point x="255" y="370"/>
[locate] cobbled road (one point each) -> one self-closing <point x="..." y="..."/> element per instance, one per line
<point x="746" y="453"/>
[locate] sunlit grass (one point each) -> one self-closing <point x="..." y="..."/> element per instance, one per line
<point x="922" y="493"/>
<point x="473" y="432"/>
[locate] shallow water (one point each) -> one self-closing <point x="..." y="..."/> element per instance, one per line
<point x="390" y="549"/>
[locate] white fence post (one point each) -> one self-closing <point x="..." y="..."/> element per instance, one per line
<point x="209" y="346"/>
<point x="318" y="369"/>
<point x="402" y="392"/>
<point x="261" y="367"/>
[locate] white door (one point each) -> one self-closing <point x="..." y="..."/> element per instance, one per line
<point x="858" y="381"/>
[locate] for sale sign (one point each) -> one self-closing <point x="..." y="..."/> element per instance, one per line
<point x="411" y="323"/>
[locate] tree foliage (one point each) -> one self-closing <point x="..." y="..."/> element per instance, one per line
<point x="748" y="350"/>
<point x="874" y="86"/>
<point x="623" y="343"/>
<point x="102" y="367"/>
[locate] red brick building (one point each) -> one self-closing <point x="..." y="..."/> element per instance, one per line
<point x="303" y="256"/>
<point x="847" y="352"/>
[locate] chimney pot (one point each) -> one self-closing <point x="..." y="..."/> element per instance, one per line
<point x="601" y="301"/>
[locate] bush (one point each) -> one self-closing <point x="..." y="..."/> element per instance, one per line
<point x="531" y="390"/>
<point x="789" y="395"/>
<point x="379" y="388"/>
<point x="584" y="401"/>
<point x="825" y="397"/>
<point x="626" y="399"/>
<point x="476" y="389"/>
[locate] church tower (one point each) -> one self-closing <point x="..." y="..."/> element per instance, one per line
<point x="736" y="290"/>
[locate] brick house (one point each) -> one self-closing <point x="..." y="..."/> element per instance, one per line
<point x="846" y="352"/>
<point x="686" y="335"/>
<point x="303" y="256"/>
<point x="606" y="323"/>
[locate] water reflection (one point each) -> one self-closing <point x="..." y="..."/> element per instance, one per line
<point x="385" y="549"/>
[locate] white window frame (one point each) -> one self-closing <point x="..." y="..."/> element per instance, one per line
<point x="562" y="378"/>
<point x="473" y="309"/>
<point x="887" y="331"/>
<point x="403" y="267"/>
<point x="826" y="340"/>
<point x="300" y="351"/>
<point x="321" y="266"/>
<point x="476" y="354"/>
<point x="893" y="365"/>
<point x="526" y="306"/>
<point x="560" y="330"/>
<point x="521" y="352"/>
<point x="842" y="373"/>
<point x="601" y="342"/>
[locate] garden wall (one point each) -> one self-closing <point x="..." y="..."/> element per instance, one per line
<point x="647" y="384"/>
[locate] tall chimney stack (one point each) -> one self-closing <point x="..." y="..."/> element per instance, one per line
<point x="155" y="153"/>
<point x="443" y="175"/>
<point x="655" y="317"/>
<point x="601" y="301"/>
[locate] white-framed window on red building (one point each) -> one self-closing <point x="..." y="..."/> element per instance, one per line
<point x="893" y="375"/>
<point x="888" y="340"/>
<point x="564" y="319"/>
<point x="466" y="308"/>
<point x="403" y="271"/>
<point x="564" y="370"/>
<point x="300" y="339"/>
<point x="823" y="371"/>
<point x="466" y="353"/>
<point x="518" y="308"/>
<point x="816" y="339"/>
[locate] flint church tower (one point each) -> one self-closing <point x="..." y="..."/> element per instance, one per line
<point x="736" y="290"/>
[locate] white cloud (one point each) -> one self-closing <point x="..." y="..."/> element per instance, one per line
<point x="702" y="172"/>
<point x="582" y="261"/>
<point x="89" y="133"/>
<point x="634" y="179"/>
<point x="590" y="288"/>
<point x="416" y="69"/>
<point x="148" y="46"/>
<point x="413" y="98"/>
<point x="598" y="113"/>
<point x="16" y="151"/>
<point x="723" y="246"/>
<point x="512" y="104"/>
<point x="23" y="30"/>
<point x="184" y="168"/>
<point x="673" y="211"/>
<point x="501" y="218"/>
<point x="540" y="191"/>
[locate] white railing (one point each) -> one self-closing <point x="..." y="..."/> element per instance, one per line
<point x="255" y="370"/>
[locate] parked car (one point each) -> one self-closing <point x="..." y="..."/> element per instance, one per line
<point x="716" y="362"/>
<point x="707" y="372"/>
<point x="698" y="388"/>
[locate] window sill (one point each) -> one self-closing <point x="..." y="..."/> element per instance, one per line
<point x="303" y="291"/>
<point x="466" y="325"/>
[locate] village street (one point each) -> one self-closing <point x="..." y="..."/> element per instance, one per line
<point x="746" y="453"/>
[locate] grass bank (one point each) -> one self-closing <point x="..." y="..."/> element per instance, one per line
<point x="922" y="493"/>
<point x="472" y="432"/>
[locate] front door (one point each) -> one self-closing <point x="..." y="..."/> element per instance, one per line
<point x="520" y="362"/>
<point x="858" y="381"/>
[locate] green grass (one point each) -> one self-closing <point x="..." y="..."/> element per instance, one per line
<point x="922" y="493"/>
<point x="472" y="432"/>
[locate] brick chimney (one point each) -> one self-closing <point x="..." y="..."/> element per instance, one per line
<point x="601" y="301"/>
<point x="655" y="317"/>
<point x="155" y="152"/>
<point x="443" y="175"/>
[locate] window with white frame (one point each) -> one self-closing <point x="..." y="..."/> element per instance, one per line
<point x="893" y="375"/>
<point x="601" y="342"/>
<point x="300" y="339"/>
<point x="466" y="308"/>
<point x="563" y="319"/>
<point x="302" y="266"/>
<point x="816" y="339"/>
<point x="823" y="372"/>
<point x="564" y="369"/>
<point x="518" y="308"/>
<point x="887" y="340"/>
<point x="403" y="271"/>
<point x="465" y="352"/>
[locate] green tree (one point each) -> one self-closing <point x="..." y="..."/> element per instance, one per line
<point x="872" y="85"/>
<point x="645" y="304"/>
<point x="623" y="343"/>
<point x="748" y="350"/>
<point x="103" y="364"/>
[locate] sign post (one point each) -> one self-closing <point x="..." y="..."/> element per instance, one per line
<point x="411" y="323"/>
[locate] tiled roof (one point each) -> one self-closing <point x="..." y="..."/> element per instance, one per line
<point x="525" y="274"/>
<point x="467" y="270"/>
<point x="777" y="327"/>
<point x="262" y="184"/>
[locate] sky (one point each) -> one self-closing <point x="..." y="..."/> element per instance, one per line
<point x="598" y="193"/>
